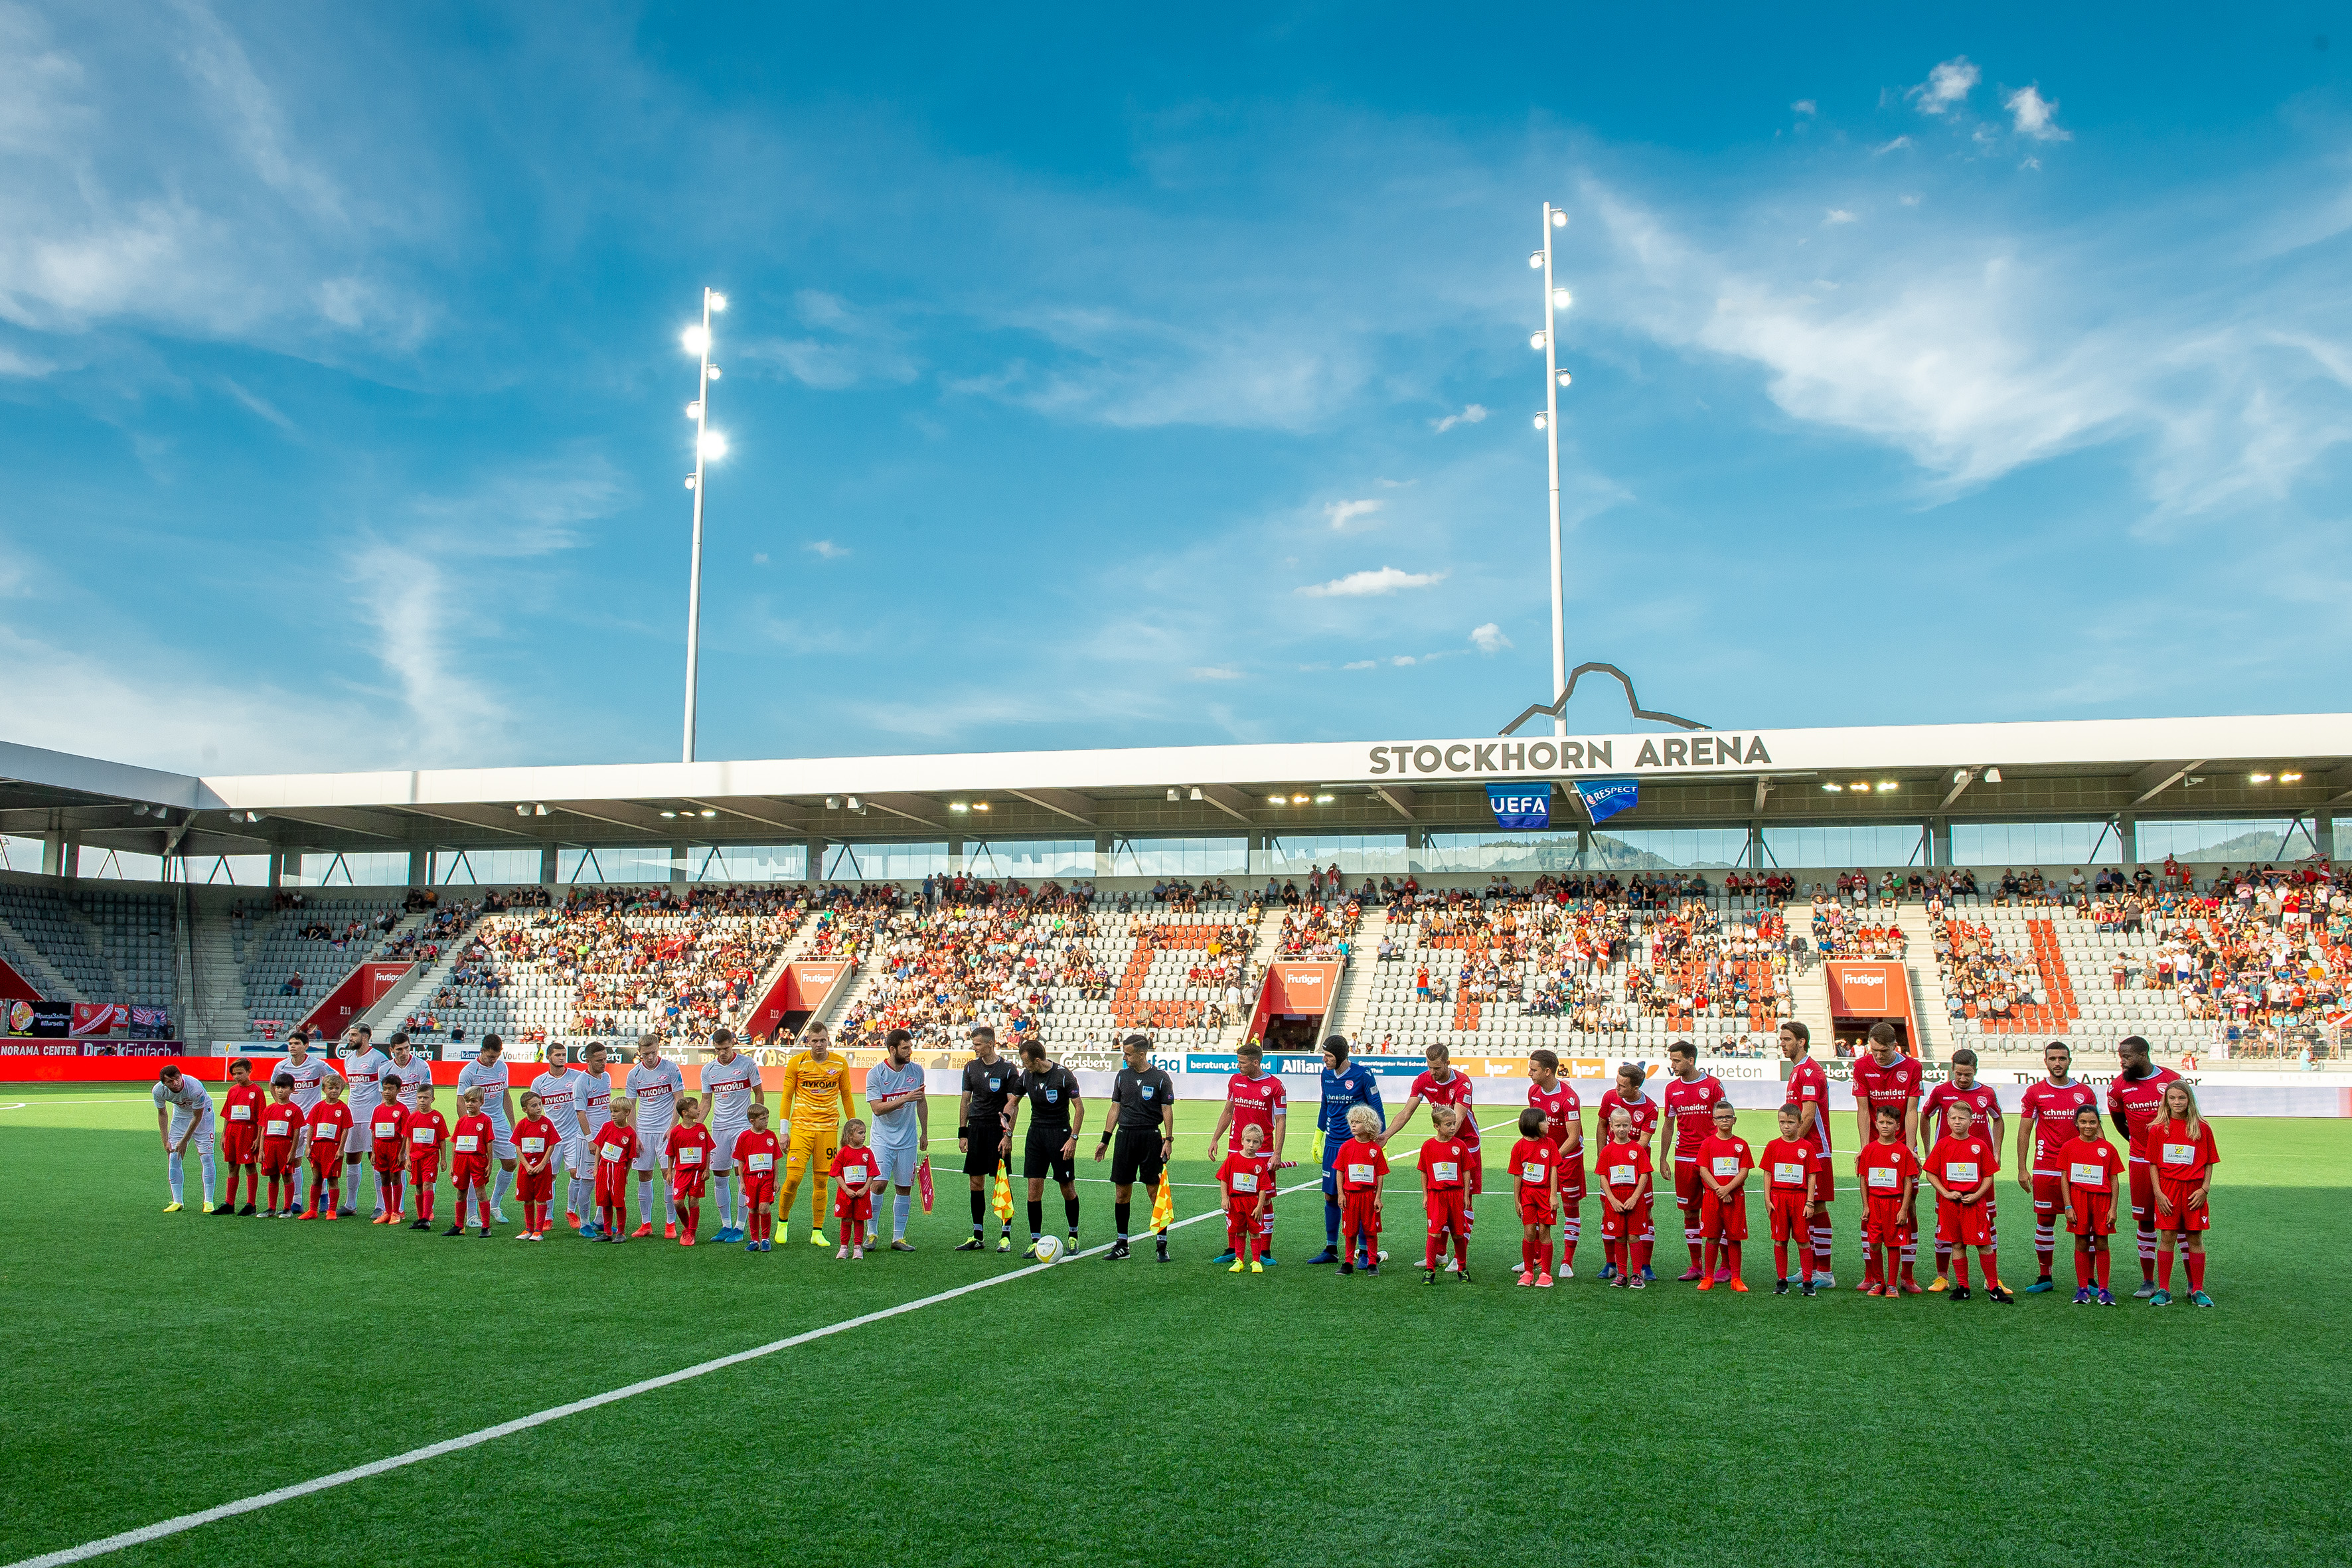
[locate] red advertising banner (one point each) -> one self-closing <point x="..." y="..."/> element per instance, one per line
<point x="362" y="989"/>
<point x="1295" y="990"/>
<point x="802" y="988"/>
<point x="1859" y="990"/>
<point x="98" y="1018"/>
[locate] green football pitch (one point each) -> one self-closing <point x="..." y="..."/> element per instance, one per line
<point x="163" y="1364"/>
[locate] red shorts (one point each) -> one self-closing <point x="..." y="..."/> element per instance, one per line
<point x="1617" y="1224"/>
<point x="277" y="1158"/>
<point x="469" y="1171"/>
<point x="1723" y="1219"/>
<point x="857" y="1208"/>
<point x="1886" y="1221"/>
<point x="325" y="1159"/>
<point x="1474" y="1168"/>
<point x="2094" y="1213"/>
<point x="2045" y="1194"/>
<point x="2182" y="1216"/>
<point x="1788" y="1211"/>
<point x="1689" y="1191"/>
<point x="421" y="1171"/>
<point x="1536" y="1206"/>
<point x="2143" y="1191"/>
<point x="240" y="1143"/>
<point x="388" y="1159"/>
<point x="611" y="1184"/>
<point x="1963" y="1224"/>
<point x="1449" y="1212"/>
<point x="689" y="1182"/>
<point x="1360" y="1214"/>
<point x="759" y="1191"/>
<point x="1825" y="1182"/>
<point x="535" y="1187"/>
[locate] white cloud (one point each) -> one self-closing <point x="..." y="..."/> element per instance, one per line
<point x="826" y="550"/>
<point x="849" y="346"/>
<point x="760" y="559"/>
<point x="1214" y="672"/>
<point x="1488" y="640"/>
<point x="1837" y="215"/>
<point x="1895" y="145"/>
<point x="2035" y="116"/>
<point x="1946" y="84"/>
<point x="1361" y="663"/>
<point x="1403" y="659"/>
<point x="1365" y="585"/>
<point x="1805" y="106"/>
<point x="1471" y="413"/>
<point x="258" y="404"/>
<point x="1342" y="512"/>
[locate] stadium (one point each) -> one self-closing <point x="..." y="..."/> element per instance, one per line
<point x="1127" y="1063"/>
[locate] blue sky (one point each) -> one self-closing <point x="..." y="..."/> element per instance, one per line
<point x="1100" y="382"/>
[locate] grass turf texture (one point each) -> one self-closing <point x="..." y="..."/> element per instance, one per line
<point x="1132" y="1413"/>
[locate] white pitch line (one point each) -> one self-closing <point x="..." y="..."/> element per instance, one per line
<point x="188" y="1522"/>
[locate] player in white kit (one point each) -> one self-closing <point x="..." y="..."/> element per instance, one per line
<point x="487" y="1072"/>
<point x="309" y="1073"/>
<point x="558" y="1088"/>
<point x="190" y="1120"/>
<point x="364" y="1070"/>
<point x="407" y="1073"/>
<point x="733" y="1084"/>
<point x="655" y="1085"/>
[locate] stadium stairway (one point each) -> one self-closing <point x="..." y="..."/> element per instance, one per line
<point x="1808" y="991"/>
<point x="1355" y="992"/>
<point x="29" y="961"/>
<point x="418" y="988"/>
<point x="1930" y="1007"/>
<point x="220" y="988"/>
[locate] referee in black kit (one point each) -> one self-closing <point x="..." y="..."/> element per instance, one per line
<point x="990" y="1085"/>
<point x="1146" y="1131"/>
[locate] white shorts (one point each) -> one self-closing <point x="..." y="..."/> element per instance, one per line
<point x="897" y="1164"/>
<point x="723" y="1157"/>
<point x="579" y="1156"/>
<point x="649" y="1153"/>
<point x="202" y="1143"/>
<point x="361" y="1138"/>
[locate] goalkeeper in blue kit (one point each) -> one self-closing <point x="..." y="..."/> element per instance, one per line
<point x="1344" y="1087"/>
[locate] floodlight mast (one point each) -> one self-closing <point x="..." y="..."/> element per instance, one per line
<point x="1552" y="218"/>
<point x="698" y="341"/>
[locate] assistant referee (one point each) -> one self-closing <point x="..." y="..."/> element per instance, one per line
<point x="1145" y="1132"/>
<point x="991" y="1086"/>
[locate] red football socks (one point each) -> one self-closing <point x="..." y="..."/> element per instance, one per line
<point x="2196" y="1261"/>
<point x="2082" y="1268"/>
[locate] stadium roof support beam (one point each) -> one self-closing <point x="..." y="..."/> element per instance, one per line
<point x="913" y="807"/>
<point x="482" y="816"/>
<point x="1067" y="803"/>
<point x="1967" y="777"/>
<point x="2157" y="777"/>
<point x="760" y="809"/>
<point x="369" y="824"/>
<point x="1399" y="798"/>
<point x="1763" y="788"/>
<point x="1230" y="800"/>
<point x="620" y="814"/>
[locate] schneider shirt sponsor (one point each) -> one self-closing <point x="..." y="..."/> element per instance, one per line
<point x="1706" y="750"/>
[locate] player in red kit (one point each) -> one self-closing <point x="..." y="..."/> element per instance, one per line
<point x="615" y="1146"/>
<point x="537" y="1145"/>
<point x="2089" y="1171"/>
<point x="1442" y="1084"/>
<point x="388" y="1145"/>
<point x="281" y="1133"/>
<point x="1243" y="1176"/>
<point x="2181" y="1152"/>
<point x="1788" y="1166"/>
<point x="329" y="1125"/>
<point x="2135" y="1098"/>
<point x="1626" y="1233"/>
<point x="1961" y="1088"/>
<point x="240" y="1120"/>
<point x="687" y="1152"/>
<point x="855" y="1171"/>
<point x="1563" y="1125"/>
<point x="1254" y="1098"/>
<point x="1886" y="1079"/>
<point x="1536" y="1173"/>
<point x="1688" y="1104"/>
<point x="428" y="1143"/>
<point x="1724" y="1160"/>
<point x="470" y="1143"/>
<point x="1360" y="1167"/>
<point x="2045" y="1121"/>
<point x="1809" y="1096"/>
<point x="757" y="1151"/>
<point x="1642" y="1114"/>
<point x="1961" y="1167"/>
<point x="1888" y="1171"/>
<point x="1444" y="1166"/>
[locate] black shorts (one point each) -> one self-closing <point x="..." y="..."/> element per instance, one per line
<point x="983" y="1149"/>
<point x="1135" y="1156"/>
<point x="1041" y="1156"/>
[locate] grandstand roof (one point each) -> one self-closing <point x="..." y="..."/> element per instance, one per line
<point x="2267" y="765"/>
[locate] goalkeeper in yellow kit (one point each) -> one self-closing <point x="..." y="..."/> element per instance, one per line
<point x="816" y="1098"/>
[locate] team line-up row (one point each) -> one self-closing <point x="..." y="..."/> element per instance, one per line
<point x="658" y="1135"/>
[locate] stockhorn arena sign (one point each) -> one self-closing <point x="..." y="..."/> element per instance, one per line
<point x="1706" y="750"/>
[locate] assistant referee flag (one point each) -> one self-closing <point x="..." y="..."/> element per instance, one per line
<point x="1163" y="1206"/>
<point x="1001" y="1204"/>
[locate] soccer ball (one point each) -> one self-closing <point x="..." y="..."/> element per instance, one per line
<point x="1048" y="1248"/>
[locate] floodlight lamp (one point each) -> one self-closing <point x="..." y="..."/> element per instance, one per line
<point x="1543" y="421"/>
<point x="1196" y="792"/>
<point x="1561" y="300"/>
<point x="694" y="340"/>
<point x="522" y="811"/>
<point x="1535" y="340"/>
<point x="1833" y="788"/>
<point x="1885" y="784"/>
<point x="137" y="810"/>
<point x="1324" y="799"/>
<point x="2260" y="778"/>
<point x="1171" y="791"/>
<point x="957" y="805"/>
<point x="1299" y="800"/>
<point x="1961" y="776"/>
<point x="1558" y="218"/>
<point x="979" y="806"/>
<point x="708" y="812"/>
<point x="1992" y="775"/>
<point x="714" y="372"/>
<point x="2290" y="778"/>
<point x="832" y="803"/>
<point x="1537" y="259"/>
<point x="854" y="804"/>
<point x="669" y="814"/>
<point x="538" y="810"/>
<point x="1860" y="787"/>
<point x="1277" y="800"/>
<point x="1564" y="377"/>
<point x="713" y="445"/>
<point x="694" y="410"/>
<point x="717" y="300"/>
